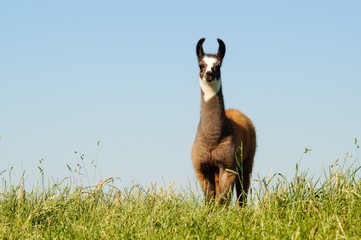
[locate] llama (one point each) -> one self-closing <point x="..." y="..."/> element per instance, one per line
<point x="225" y="143"/>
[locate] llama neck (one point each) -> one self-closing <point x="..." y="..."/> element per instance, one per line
<point x="213" y="118"/>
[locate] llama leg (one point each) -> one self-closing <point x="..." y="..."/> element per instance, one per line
<point x="207" y="182"/>
<point x="226" y="183"/>
<point x="216" y="180"/>
<point x="242" y="184"/>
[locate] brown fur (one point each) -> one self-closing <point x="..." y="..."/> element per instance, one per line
<point x="245" y="138"/>
<point x="224" y="148"/>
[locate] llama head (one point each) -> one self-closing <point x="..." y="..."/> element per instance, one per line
<point x="210" y="68"/>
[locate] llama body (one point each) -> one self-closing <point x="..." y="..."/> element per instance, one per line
<point x="222" y="135"/>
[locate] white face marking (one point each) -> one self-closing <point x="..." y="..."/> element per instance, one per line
<point x="210" y="61"/>
<point x="210" y="89"/>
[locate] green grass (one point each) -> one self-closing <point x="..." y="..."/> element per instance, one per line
<point x="302" y="208"/>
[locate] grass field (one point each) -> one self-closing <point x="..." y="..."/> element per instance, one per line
<point x="328" y="207"/>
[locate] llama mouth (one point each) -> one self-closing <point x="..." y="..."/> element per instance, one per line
<point x="211" y="80"/>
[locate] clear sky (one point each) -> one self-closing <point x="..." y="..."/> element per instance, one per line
<point x="73" y="73"/>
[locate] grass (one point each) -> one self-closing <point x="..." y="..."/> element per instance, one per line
<point x="302" y="208"/>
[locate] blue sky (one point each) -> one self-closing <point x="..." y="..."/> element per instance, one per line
<point x="124" y="73"/>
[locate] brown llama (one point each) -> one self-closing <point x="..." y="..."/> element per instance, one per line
<point x="225" y="144"/>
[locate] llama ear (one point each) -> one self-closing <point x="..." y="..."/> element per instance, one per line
<point x="221" y="49"/>
<point x="199" y="49"/>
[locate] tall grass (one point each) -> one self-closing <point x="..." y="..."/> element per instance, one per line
<point x="303" y="207"/>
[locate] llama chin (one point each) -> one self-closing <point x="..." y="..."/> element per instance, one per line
<point x="210" y="89"/>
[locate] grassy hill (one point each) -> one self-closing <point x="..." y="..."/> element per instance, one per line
<point x="300" y="208"/>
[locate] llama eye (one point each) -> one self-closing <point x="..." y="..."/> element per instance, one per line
<point x="216" y="68"/>
<point x="201" y="66"/>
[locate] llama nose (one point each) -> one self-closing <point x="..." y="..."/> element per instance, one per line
<point x="209" y="76"/>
